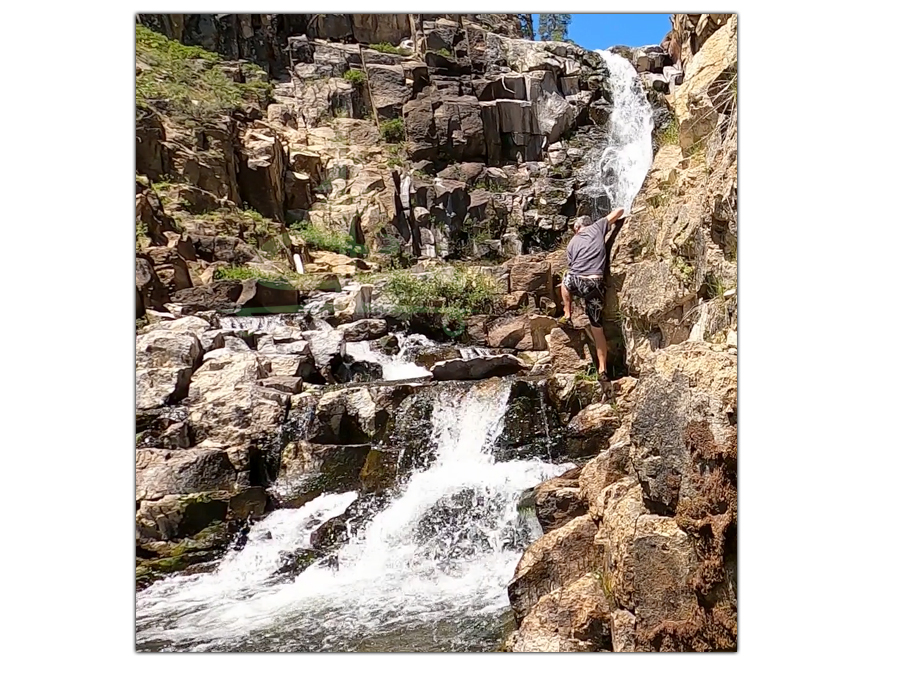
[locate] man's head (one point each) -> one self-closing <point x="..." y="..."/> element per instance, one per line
<point x="580" y="223"/>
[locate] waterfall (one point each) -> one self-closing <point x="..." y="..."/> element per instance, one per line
<point x="428" y="572"/>
<point x="393" y="367"/>
<point x="615" y="171"/>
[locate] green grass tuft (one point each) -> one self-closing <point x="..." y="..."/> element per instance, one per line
<point x="355" y="77"/>
<point x="323" y="238"/>
<point x="393" y="131"/>
<point x="245" y="273"/>
<point x="387" y="48"/>
<point x="190" y="82"/>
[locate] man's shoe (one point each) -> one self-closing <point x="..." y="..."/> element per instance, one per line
<point x="564" y="322"/>
<point x="606" y="387"/>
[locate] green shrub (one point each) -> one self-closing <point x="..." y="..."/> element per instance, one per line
<point x="387" y="48"/>
<point x="392" y="130"/>
<point x="244" y="273"/>
<point x="188" y="81"/>
<point x="323" y="238"/>
<point x="355" y="77"/>
<point x="451" y="297"/>
<point x="141" y="238"/>
<point x="668" y="135"/>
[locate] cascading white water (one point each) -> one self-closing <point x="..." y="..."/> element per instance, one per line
<point x="617" y="170"/>
<point x="393" y="367"/>
<point x="429" y="572"/>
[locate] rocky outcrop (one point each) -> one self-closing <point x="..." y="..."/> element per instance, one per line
<point x="663" y="551"/>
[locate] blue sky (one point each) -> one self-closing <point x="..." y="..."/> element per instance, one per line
<point x="602" y="31"/>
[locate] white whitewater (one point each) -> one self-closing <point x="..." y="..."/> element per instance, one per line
<point x="428" y="572"/>
<point x="393" y="367"/>
<point x="617" y="170"/>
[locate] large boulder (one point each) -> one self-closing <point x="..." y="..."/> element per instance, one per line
<point x="481" y="367"/>
<point x="662" y="551"/>
<point x="691" y="386"/>
<point x="228" y="409"/>
<point x="521" y="332"/>
<point x="589" y="432"/>
<point x="262" y="171"/>
<point x="570" y="350"/>
<point x="389" y="90"/>
<point x="557" y="501"/>
<point x="557" y="558"/>
<point x="162" y="472"/>
<point x="572" y="618"/>
<point x="164" y="362"/>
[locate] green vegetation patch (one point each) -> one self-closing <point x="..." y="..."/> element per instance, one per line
<point x="324" y="238"/>
<point x="190" y="82"/>
<point x="387" y="48"/>
<point x="392" y="131"/>
<point x="355" y="77"/>
<point x="455" y="296"/>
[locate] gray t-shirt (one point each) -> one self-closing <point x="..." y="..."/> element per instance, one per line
<point x="586" y="252"/>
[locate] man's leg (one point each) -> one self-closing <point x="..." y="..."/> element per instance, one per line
<point x="602" y="349"/>
<point x="567" y="299"/>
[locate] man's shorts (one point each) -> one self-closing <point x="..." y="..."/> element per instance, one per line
<point x="593" y="291"/>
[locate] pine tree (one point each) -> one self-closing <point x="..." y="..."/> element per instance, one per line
<point x="526" y="23"/>
<point x="554" y="26"/>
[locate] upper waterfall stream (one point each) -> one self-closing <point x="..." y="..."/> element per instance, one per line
<point x="428" y="572"/>
<point x="616" y="170"/>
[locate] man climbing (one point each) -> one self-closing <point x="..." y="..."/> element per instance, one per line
<point x="586" y="256"/>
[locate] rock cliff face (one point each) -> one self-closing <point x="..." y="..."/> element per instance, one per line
<point x="321" y="166"/>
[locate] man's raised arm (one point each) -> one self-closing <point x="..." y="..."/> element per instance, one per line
<point x="615" y="215"/>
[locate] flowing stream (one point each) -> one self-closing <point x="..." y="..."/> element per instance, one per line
<point x="427" y="573"/>
<point x="616" y="170"/>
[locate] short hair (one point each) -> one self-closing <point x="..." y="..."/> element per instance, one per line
<point x="583" y="221"/>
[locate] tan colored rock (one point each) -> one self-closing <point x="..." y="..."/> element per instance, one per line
<point x="623" y="631"/>
<point x="706" y="86"/>
<point x="662" y="551"/>
<point x="164" y="361"/>
<point x="553" y="561"/>
<point x="691" y="386"/>
<point x="261" y="177"/>
<point x="589" y="431"/>
<point x="570" y="350"/>
<point x="574" y="618"/>
<point x="523" y="333"/>
<point x="163" y="472"/>
<point x="620" y="504"/>
<point x="600" y="472"/>
<point x="529" y="274"/>
<point x="227" y="408"/>
<point x="557" y="501"/>
<point x="355" y="305"/>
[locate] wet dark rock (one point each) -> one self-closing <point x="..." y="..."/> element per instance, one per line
<point x="476" y="368"/>
<point x="531" y="424"/>
<point x="357" y="371"/>
<point x="557" y="501"/>
<point x="336" y="531"/>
